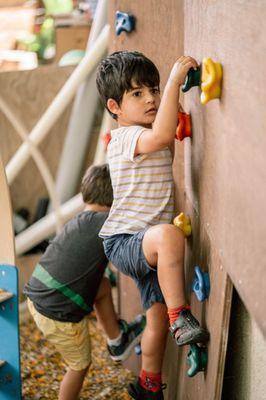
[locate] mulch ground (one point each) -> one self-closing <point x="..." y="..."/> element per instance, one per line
<point x="42" y="368"/>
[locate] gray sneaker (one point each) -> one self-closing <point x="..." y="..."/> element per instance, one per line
<point x="187" y="330"/>
<point x="131" y="334"/>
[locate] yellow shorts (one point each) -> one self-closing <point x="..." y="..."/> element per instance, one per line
<point x="71" y="339"/>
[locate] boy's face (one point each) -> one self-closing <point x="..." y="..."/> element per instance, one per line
<point x="139" y="106"/>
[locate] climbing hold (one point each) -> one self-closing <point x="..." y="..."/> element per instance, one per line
<point x="137" y="349"/>
<point x="183" y="222"/>
<point x="124" y="22"/>
<point x="106" y="138"/>
<point x="211" y="80"/>
<point x="192" y="79"/>
<point x="197" y="359"/>
<point x="111" y="276"/>
<point x="201" y="284"/>
<point x="184" y="128"/>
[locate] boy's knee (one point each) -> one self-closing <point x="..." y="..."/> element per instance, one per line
<point x="169" y="234"/>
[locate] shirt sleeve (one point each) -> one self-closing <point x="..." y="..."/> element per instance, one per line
<point x="129" y="140"/>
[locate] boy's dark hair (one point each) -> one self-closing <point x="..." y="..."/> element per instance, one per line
<point x="116" y="73"/>
<point x="96" y="186"/>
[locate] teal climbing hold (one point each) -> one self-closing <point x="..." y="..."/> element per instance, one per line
<point x="193" y="78"/>
<point x="197" y="359"/>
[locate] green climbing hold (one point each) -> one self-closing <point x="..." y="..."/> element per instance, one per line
<point x="193" y="78"/>
<point x="197" y="359"/>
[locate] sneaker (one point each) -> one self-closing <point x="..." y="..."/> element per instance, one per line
<point x="130" y="338"/>
<point x="187" y="330"/>
<point x="139" y="393"/>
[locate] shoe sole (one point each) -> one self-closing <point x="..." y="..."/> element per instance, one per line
<point x="128" y="351"/>
<point x="131" y="393"/>
<point x="201" y="337"/>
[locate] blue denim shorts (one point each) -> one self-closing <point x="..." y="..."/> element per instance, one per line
<point x="126" y="254"/>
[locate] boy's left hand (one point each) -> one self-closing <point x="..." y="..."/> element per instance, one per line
<point x="181" y="68"/>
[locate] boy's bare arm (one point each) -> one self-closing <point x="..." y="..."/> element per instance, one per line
<point x="164" y="127"/>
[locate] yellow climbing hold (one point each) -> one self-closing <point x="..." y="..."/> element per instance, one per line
<point x="211" y="80"/>
<point x="183" y="222"/>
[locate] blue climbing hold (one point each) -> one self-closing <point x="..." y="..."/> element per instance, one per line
<point x="201" y="284"/>
<point x="138" y="350"/>
<point x="124" y="22"/>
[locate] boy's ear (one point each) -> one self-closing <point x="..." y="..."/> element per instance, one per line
<point x="113" y="107"/>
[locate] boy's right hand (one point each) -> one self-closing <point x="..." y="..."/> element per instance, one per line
<point x="181" y="68"/>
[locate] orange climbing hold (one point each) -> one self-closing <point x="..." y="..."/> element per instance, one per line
<point x="184" y="127"/>
<point x="106" y="138"/>
<point x="183" y="222"/>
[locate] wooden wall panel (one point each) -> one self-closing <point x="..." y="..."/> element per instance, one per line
<point x="229" y="140"/>
<point x="28" y="94"/>
<point x="213" y="313"/>
<point x="228" y="163"/>
<point x="7" y="246"/>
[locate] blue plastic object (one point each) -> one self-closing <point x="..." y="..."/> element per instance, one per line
<point x="201" y="284"/>
<point x="10" y="380"/>
<point x="137" y="349"/>
<point x="72" y="57"/>
<point x="124" y="22"/>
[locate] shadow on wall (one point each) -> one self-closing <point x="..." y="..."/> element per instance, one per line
<point x="238" y="368"/>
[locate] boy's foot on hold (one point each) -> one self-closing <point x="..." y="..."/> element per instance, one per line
<point x="137" y="392"/>
<point x="131" y="333"/>
<point x="187" y="330"/>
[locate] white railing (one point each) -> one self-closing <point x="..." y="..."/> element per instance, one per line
<point x="63" y="98"/>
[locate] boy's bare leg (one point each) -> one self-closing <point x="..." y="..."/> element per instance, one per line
<point x="163" y="247"/>
<point x="154" y="338"/>
<point x="72" y="384"/>
<point x="105" y="311"/>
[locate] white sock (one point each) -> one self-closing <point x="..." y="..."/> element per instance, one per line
<point x="116" y="341"/>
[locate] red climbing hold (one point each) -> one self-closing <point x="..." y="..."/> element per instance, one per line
<point x="184" y="127"/>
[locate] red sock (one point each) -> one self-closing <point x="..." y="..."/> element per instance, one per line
<point x="150" y="381"/>
<point x="173" y="313"/>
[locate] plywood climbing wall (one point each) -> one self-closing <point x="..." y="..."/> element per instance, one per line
<point x="227" y="197"/>
<point x="7" y="247"/>
<point x="228" y="171"/>
<point x="229" y="140"/>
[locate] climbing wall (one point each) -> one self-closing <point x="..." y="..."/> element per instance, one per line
<point x="220" y="173"/>
<point x="228" y="171"/>
<point x="229" y="138"/>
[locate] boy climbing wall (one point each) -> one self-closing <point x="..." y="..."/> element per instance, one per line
<point x="139" y="238"/>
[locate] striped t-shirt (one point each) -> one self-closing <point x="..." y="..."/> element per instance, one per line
<point x="142" y="185"/>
